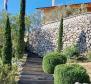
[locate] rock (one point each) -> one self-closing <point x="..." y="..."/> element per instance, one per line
<point x="77" y="29"/>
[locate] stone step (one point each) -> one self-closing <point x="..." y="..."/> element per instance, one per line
<point x="34" y="59"/>
<point x="32" y="69"/>
<point x="29" y="62"/>
<point x="27" y="71"/>
<point x="32" y="65"/>
<point x="31" y="72"/>
<point x="35" y="82"/>
<point x="34" y="73"/>
<point x="36" y="77"/>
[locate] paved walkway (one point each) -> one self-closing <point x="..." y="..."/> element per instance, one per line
<point x="32" y="73"/>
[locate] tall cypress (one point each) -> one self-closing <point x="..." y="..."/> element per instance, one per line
<point x="21" y="43"/>
<point x="7" y="46"/>
<point x="60" y="36"/>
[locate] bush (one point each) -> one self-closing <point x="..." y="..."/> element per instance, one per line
<point x="89" y="56"/>
<point x="8" y="76"/>
<point x="71" y="51"/>
<point x="51" y="60"/>
<point x="0" y="51"/>
<point x="69" y="74"/>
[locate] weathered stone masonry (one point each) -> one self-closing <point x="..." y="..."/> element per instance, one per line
<point x="77" y="29"/>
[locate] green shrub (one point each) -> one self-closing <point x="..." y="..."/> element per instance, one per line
<point x="69" y="74"/>
<point x="89" y="56"/>
<point x="0" y="51"/>
<point x="51" y="60"/>
<point x="8" y="76"/>
<point x="71" y="51"/>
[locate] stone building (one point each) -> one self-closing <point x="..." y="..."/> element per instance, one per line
<point x="77" y="28"/>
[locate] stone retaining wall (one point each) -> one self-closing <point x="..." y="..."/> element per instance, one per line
<point x="77" y="29"/>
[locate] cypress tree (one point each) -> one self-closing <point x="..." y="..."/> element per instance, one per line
<point x="60" y="36"/>
<point x="21" y="43"/>
<point x="7" y="46"/>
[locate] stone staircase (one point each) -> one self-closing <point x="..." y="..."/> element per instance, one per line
<point x="32" y="73"/>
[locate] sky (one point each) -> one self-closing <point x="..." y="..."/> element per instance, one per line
<point x="31" y="5"/>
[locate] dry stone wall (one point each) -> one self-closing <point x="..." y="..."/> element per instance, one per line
<point x="77" y="29"/>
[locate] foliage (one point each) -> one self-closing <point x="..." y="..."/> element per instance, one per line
<point x="69" y="11"/>
<point x="7" y="46"/>
<point x="8" y="76"/>
<point x="0" y="51"/>
<point x="1" y="37"/>
<point x="83" y="8"/>
<point x="81" y="59"/>
<point x="20" y="41"/>
<point x="2" y="26"/>
<point x="3" y="18"/>
<point x="89" y="55"/>
<point x="51" y="60"/>
<point x="15" y="29"/>
<point x="71" y="51"/>
<point x="60" y="41"/>
<point x="69" y="74"/>
<point x="14" y="20"/>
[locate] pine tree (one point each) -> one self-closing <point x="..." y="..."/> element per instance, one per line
<point x="7" y="46"/>
<point x="21" y="43"/>
<point x="60" y="36"/>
